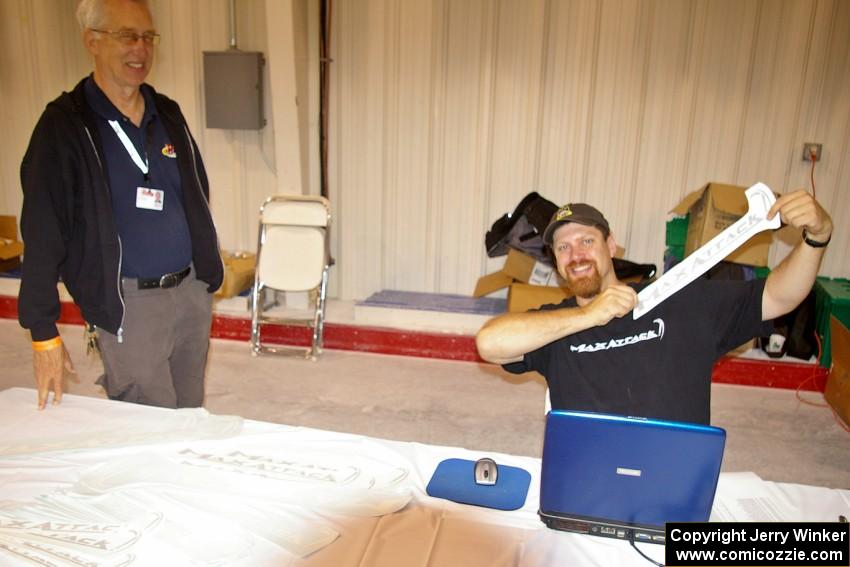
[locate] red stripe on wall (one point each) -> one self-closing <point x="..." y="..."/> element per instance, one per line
<point x="769" y="374"/>
<point x="379" y="340"/>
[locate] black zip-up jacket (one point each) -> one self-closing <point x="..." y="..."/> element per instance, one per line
<point x="67" y="223"/>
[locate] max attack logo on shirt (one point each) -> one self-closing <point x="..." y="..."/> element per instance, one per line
<point x="649" y="335"/>
<point x="168" y="151"/>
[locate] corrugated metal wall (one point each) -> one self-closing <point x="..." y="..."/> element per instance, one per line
<point x="445" y="114"/>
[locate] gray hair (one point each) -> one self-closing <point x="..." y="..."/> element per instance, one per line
<point x="90" y="12"/>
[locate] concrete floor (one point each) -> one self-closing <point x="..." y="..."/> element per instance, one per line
<point x="477" y="406"/>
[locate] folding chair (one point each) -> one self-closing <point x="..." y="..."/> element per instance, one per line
<point x="293" y="254"/>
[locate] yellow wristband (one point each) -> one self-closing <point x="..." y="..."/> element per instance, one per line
<point x="49" y="344"/>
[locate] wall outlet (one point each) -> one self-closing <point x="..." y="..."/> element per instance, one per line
<point x="810" y="148"/>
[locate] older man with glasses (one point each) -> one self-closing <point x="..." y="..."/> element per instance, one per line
<point x="116" y="205"/>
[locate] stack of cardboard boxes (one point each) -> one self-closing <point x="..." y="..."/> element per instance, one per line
<point x="530" y="282"/>
<point x="832" y="300"/>
<point x="238" y="273"/>
<point x="837" y="391"/>
<point x="704" y="214"/>
<point x="11" y="248"/>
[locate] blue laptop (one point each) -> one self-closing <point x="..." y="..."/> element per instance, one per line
<point x="624" y="477"/>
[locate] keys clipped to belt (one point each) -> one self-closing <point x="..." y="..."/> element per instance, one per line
<point x="90" y="338"/>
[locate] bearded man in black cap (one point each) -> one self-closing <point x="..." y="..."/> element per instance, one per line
<point x="596" y="358"/>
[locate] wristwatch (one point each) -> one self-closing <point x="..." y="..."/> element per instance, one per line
<point x="814" y="243"/>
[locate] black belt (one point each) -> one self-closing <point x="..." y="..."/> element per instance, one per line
<point x="165" y="281"/>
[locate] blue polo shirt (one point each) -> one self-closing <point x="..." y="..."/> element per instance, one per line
<point x="153" y="242"/>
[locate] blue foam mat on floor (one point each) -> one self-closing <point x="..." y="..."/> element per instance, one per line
<point x="436" y="302"/>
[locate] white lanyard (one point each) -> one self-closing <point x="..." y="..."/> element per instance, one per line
<point x="131" y="149"/>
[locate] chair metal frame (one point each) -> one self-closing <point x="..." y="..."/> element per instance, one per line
<point x="259" y="289"/>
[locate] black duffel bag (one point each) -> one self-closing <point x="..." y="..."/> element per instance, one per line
<point x="522" y="229"/>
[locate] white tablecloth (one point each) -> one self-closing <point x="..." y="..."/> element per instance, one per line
<point x="358" y="500"/>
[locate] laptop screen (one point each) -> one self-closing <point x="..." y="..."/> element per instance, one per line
<point x="628" y="471"/>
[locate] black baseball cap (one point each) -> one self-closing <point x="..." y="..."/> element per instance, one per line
<point x="581" y="213"/>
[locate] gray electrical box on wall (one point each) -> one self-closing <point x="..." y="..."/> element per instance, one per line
<point x="233" y="89"/>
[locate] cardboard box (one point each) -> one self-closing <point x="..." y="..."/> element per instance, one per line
<point x="714" y="208"/>
<point x="519" y="267"/>
<point x="837" y="391"/>
<point x="523" y="296"/>
<point x="530" y="283"/>
<point x="238" y="273"/>
<point x="11" y="248"/>
<point x="832" y="299"/>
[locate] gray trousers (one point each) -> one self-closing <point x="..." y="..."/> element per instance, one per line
<point x="166" y="338"/>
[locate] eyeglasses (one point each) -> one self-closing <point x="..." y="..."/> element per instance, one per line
<point x="129" y="37"/>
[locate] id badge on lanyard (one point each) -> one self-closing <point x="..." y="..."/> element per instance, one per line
<point x="146" y="197"/>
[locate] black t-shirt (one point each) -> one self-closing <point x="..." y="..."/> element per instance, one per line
<point x="658" y="366"/>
